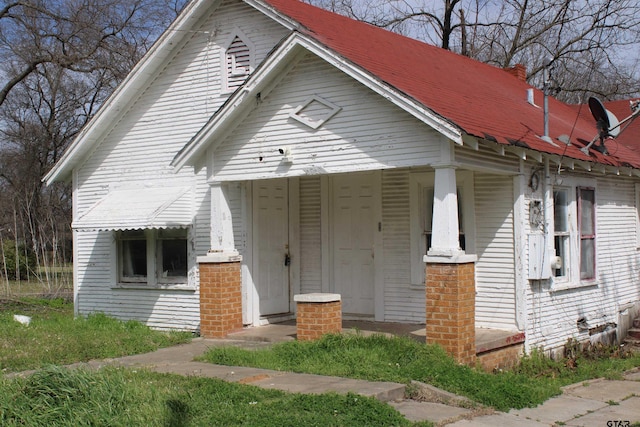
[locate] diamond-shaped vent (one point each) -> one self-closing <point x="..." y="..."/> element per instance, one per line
<point x="315" y="112"/>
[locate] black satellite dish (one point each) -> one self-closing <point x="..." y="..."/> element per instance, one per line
<point x="608" y="124"/>
<point x="603" y="123"/>
<point x="600" y="114"/>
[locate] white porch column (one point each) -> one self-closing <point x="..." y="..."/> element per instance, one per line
<point x="450" y="276"/>
<point x="220" y="273"/>
<point x="445" y="241"/>
<point x="221" y="222"/>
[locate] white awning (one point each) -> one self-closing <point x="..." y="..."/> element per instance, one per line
<point x="139" y="208"/>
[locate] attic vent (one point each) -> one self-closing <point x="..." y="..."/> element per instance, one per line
<point x="314" y="112"/>
<point x="237" y="62"/>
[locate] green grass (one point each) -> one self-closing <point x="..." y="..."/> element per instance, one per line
<point x="399" y="359"/>
<point x="121" y="397"/>
<point x="55" y="337"/>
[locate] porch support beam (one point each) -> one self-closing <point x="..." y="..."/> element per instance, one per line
<point x="221" y="222"/>
<point x="450" y="275"/>
<point x="445" y="228"/>
<point x="220" y="273"/>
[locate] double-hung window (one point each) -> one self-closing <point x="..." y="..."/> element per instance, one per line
<point x="574" y="235"/>
<point x="152" y="257"/>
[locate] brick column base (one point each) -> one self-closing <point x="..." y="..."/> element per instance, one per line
<point x="220" y="295"/>
<point x="318" y="314"/>
<point x="451" y="305"/>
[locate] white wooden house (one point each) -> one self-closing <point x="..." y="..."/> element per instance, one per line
<point x="334" y="156"/>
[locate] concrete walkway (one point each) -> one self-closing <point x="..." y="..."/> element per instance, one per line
<point x="592" y="403"/>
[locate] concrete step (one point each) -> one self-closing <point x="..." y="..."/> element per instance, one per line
<point x="634" y="333"/>
<point x="631" y="342"/>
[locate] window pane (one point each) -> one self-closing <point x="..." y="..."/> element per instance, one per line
<point x="134" y="258"/>
<point x="174" y="258"/>
<point x="587" y="259"/>
<point x="560" y="210"/>
<point x="586" y="212"/>
<point x="562" y="250"/>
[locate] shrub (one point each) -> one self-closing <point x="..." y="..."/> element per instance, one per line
<point x="26" y="260"/>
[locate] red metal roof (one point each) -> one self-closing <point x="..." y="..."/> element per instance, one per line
<point x="482" y="100"/>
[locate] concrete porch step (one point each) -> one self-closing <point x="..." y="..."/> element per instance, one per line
<point x="631" y="343"/>
<point x="634" y="333"/>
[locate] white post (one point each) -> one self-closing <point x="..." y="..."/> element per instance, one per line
<point x="221" y="222"/>
<point x="445" y="228"/>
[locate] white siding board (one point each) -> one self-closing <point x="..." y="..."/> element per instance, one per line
<point x="368" y="133"/>
<point x="485" y="158"/>
<point x="310" y="235"/>
<point x="495" y="268"/>
<point x="403" y="302"/>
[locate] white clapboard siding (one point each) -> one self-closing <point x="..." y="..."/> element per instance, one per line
<point x="403" y="302"/>
<point x="310" y="236"/>
<point x="495" y="269"/>
<point x="159" y="309"/>
<point x="202" y="214"/>
<point x="174" y="106"/>
<point x="138" y="150"/>
<point x="367" y="133"/>
<point x="487" y="158"/>
<point x="234" y="196"/>
<point x="552" y="316"/>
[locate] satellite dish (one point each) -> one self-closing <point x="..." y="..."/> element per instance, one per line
<point x="600" y="114"/>
<point x="614" y="124"/>
<point x="607" y="123"/>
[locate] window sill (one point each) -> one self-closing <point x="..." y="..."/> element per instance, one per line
<point x="559" y="287"/>
<point x="157" y="287"/>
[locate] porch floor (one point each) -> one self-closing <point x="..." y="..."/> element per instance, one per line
<point x="486" y="339"/>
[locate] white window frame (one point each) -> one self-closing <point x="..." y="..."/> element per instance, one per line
<point x="418" y="182"/>
<point x="154" y="240"/>
<point x="563" y="273"/>
<point x="572" y="265"/>
<point x="235" y="72"/>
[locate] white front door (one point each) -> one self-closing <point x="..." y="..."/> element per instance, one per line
<point x="352" y="236"/>
<point x="271" y="245"/>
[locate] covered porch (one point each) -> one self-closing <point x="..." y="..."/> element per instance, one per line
<point x="368" y="237"/>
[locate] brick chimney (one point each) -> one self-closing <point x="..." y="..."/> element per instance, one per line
<point x="518" y="71"/>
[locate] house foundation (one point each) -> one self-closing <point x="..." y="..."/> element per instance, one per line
<point x="220" y="295"/>
<point x="450" y="306"/>
<point x="318" y="314"/>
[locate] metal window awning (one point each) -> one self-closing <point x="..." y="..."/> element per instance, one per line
<point x="139" y="208"/>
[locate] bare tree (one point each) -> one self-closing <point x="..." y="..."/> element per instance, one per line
<point x="589" y="41"/>
<point x="61" y="59"/>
